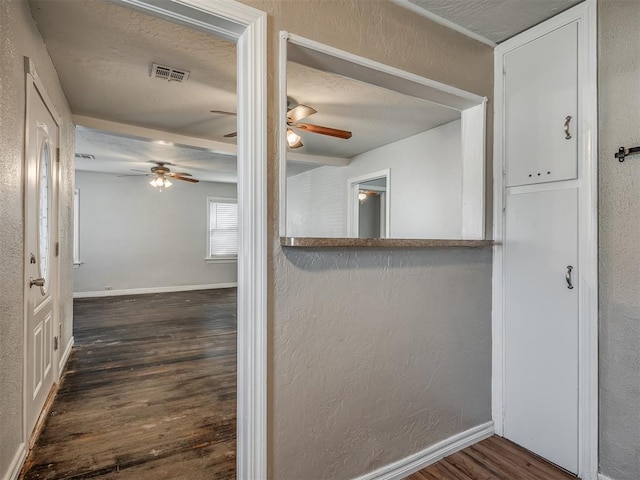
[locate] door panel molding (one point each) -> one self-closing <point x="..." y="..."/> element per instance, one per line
<point x="34" y="371"/>
<point x="585" y="16"/>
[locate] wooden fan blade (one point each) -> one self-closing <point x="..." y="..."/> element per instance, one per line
<point x="142" y="171"/>
<point x="300" y="112"/>
<point x="231" y="135"/>
<point x="332" y="132"/>
<point x="134" y="175"/>
<point x="185" y="179"/>
<point x="222" y="112"/>
<point x="179" y="174"/>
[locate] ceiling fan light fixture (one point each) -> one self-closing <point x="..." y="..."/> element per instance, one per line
<point x="293" y="139"/>
<point x="160" y="182"/>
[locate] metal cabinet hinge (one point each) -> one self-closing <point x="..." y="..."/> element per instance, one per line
<point x="55" y="343"/>
<point x="57" y="249"/>
<point x="58" y="154"/>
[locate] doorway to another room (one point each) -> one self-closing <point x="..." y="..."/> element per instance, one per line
<point x="153" y="376"/>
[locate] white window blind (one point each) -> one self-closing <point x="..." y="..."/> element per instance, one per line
<point x="223" y="228"/>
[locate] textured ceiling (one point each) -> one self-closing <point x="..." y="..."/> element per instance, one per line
<point x="103" y="54"/>
<point x="375" y="115"/>
<point x="117" y="154"/>
<point x="495" y="20"/>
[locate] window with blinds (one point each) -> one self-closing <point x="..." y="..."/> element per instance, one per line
<point x="223" y="228"/>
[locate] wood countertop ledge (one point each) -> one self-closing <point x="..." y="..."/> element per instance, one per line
<point x="316" y="242"/>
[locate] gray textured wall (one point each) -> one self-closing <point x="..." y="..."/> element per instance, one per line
<point x="20" y="38"/>
<point x="375" y="355"/>
<point x="128" y="245"/>
<point x="619" y="216"/>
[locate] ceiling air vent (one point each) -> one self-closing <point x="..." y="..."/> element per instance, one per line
<point x="168" y="73"/>
<point x="86" y="156"/>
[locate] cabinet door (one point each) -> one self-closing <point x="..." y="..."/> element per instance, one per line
<point x="541" y="324"/>
<point x="541" y="109"/>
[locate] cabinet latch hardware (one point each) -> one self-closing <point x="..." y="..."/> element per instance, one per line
<point x="624" y="152"/>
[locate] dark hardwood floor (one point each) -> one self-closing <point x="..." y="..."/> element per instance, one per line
<point x="492" y="459"/>
<point x="149" y="392"/>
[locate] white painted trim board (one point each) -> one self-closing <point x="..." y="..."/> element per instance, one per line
<point x="585" y="15"/>
<point x="65" y="356"/>
<point x="471" y="106"/>
<point x="142" y="291"/>
<point x="430" y="455"/>
<point x="13" y="470"/>
<point x="602" y="476"/>
<point x="246" y="26"/>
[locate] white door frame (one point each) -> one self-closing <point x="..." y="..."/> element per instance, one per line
<point x="32" y="78"/>
<point x="353" y="202"/>
<point x="585" y="15"/>
<point x="247" y="27"/>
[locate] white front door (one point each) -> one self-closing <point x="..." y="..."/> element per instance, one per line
<point x="41" y="266"/>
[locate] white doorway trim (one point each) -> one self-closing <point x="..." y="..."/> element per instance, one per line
<point x="585" y="15"/>
<point x="472" y="110"/>
<point x="353" y="185"/>
<point x="247" y="27"/>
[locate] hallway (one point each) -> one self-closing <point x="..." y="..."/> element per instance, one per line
<point x="149" y="392"/>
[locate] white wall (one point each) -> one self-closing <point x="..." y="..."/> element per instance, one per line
<point x="134" y="236"/>
<point x="425" y="188"/>
<point x="316" y="203"/>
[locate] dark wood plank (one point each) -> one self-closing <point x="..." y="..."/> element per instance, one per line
<point x="149" y="392"/>
<point x="492" y="459"/>
<point x="471" y="467"/>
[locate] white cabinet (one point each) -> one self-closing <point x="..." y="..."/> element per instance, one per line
<point x="543" y="196"/>
<point x="541" y="335"/>
<point x="541" y="109"/>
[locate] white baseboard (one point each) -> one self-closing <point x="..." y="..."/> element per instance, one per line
<point x="140" y="291"/>
<point x="15" y="466"/>
<point x="411" y="464"/>
<point x="65" y="355"/>
<point x="603" y="477"/>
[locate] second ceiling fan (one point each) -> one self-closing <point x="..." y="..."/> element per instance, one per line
<point x="294" y="115"/>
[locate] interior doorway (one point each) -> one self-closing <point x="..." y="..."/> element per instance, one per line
<point x="245" y="26"/>
<point x="369" y="205"/>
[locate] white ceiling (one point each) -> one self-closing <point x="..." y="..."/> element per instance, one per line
<point x="375" y="115"/>
<point x="119" y="155"/>
<point x="495" y="20"/>
<point x="103" y="54"/>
